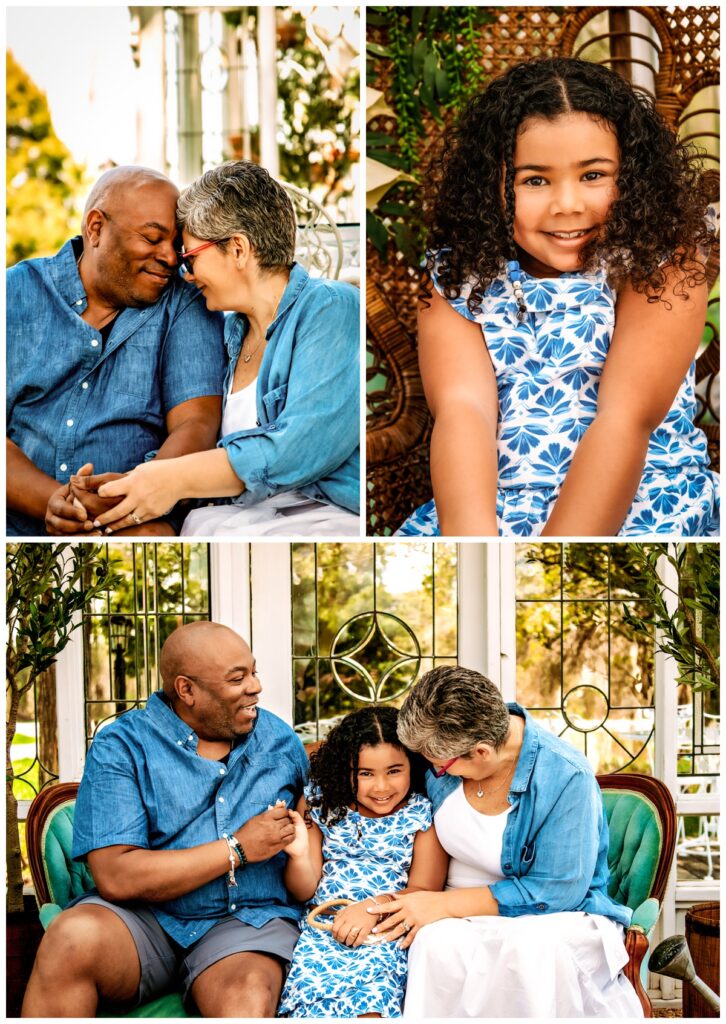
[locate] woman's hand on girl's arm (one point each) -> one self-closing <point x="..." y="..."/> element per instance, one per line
<point x="651" y="351"/>
<point x="153" y="488"/>
<point x="411" y="911"/>
<point x="461" y="391"/>
<point x="304" y="855"/>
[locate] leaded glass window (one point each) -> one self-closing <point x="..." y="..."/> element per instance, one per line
<point x="164" y="586"/>
<point x="582" y="671"/>
<point x="367" y="621"/>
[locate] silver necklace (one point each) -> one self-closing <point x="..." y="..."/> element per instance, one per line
<point x="480" y="792"/>
<point x="246" y="358"/>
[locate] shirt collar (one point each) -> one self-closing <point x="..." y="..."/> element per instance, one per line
<point x="528" y="751"/>
<point x="239" y="323"/>
<point x="66" y="276"/>
<point x="159" y="708"/>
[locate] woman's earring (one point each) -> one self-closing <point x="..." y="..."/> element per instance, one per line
<point x="515" y="276"/>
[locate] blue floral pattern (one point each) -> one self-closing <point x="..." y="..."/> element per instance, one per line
<point x="362" y="857"/>
<point x="548" y="372"/>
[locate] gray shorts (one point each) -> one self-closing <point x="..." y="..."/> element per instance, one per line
<point x="167" y="967"/>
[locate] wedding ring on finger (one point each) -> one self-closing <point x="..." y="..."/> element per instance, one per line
<point x="354" y="931"/>
<point x="136" y="518"/>
<point x="406" y="926"/>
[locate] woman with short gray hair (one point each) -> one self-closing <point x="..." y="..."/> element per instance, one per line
<point x="288" y="459"/>
<point x="525" y="926"/>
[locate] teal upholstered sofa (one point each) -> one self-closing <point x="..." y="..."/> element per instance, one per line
<point x="640" y="812"/>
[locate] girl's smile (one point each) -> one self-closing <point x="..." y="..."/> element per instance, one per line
<point x="565" y="180"/>
<point x="383" y="781"/>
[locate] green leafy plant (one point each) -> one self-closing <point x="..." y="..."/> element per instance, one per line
<point x="686" y="614"/>
<point x="431" y="57"/>
<point x="47" y="585"/>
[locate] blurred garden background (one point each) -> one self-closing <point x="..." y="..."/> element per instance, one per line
<point x="180" y="89"/>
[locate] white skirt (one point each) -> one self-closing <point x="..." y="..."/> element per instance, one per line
<point x="289" y="514"/>
<point x="556" y="965"/>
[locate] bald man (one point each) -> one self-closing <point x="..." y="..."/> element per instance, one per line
<point x="182" y="816"/>
<point x="112" y="358"/>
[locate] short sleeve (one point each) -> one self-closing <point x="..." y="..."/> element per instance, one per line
<point x="193" y="359"/>
<point x="109" y="810"/>
<point x="433" y="262"/>
<point x="419" y="812"/>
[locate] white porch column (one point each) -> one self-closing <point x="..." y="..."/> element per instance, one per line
<point x="271" y="630"/>
<point x="267" y="72"/>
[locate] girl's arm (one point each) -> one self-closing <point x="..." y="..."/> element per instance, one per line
<point x="153" y="488"/>
<point x="461" y="391"/>
<point x="304" y="855"/>
<point x="429" y="864"/>
<point x="649" y="356"/>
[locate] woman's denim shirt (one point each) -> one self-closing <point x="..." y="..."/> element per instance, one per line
<point x="308" y="387"/>
<point x="555" y="843"/>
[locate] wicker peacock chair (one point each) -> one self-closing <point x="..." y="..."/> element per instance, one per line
<point x="672" y="53"/>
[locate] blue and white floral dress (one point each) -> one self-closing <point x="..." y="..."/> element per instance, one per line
<point x="362" y="857"/>
<point x="548" y="372"/>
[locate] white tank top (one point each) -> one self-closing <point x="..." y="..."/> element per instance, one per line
<point x="472" y="840"/>
<point x="240" y="411"/>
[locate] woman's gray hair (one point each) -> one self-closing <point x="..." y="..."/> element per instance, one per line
<point x="449" y="711"/>
<point x="241" y="198"/>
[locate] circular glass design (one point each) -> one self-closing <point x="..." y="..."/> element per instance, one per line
<point x="585" y="708"/>
<point x="375" y="657"/>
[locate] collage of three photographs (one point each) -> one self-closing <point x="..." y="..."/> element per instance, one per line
<point x="362" y="511"/>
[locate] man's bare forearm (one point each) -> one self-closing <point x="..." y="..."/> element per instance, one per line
<point x="129" y="873"/>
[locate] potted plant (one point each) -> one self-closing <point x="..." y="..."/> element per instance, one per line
<point x="47" y="586"/>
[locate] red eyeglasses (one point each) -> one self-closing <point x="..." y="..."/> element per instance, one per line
<point x="186" y="263"/>
<point x="438" y="772"/>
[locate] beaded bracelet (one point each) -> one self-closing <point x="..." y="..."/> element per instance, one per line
<point x="231" y="880"/>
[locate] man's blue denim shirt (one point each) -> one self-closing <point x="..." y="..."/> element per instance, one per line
<point x="555" y="843"/>
<point x="145" y="785"/>
<point x="73" y="398"/>
<point x="308" y="397"/>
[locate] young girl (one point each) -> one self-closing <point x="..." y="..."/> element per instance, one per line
<point x="368" y="835"/>
<point x="567" y="231"/>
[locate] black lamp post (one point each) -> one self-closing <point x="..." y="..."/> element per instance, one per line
<point x="120" y="632"/>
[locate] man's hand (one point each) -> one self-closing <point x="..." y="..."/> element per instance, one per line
<point x="84" y="489"/>
<point x="266" y="834"/>
<point x="64" y="515"/>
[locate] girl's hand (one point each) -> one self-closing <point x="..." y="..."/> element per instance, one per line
<point x="353" y="925"/>
<point x="300" y="846"/>
<point x="406" y="914"/>
<point x="151" y="490"/>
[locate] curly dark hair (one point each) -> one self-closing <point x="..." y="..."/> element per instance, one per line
<point x="334" y="765"/>
<point x="659" y="212"/>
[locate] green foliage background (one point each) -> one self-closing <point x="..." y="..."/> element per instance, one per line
<point x="43" y="182"/>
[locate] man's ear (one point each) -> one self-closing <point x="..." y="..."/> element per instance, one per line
<point x="184" y="689"/>
<point x="94" y="226"/>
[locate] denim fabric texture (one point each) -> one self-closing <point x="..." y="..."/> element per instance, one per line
<point x="72" y="398"/>
<point x="144" y="785"/>
<point x="555" y="843"/>
<point x="308" y="397"/>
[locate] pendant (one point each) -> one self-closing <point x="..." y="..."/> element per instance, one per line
<point x="247" y="358"/>
<point x="480" y="791"/>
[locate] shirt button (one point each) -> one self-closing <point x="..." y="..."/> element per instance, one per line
<point x="221" y="799"/>
<point x="224" y="835"/>
<point x="84" y="385"/>
<point x="222" y="771"/>
<point x="507" y="866"/>
<point x="94" y="343"/>
<point x="541" y="906"/>
<point x="69" y="423"/>
<point x="78" y="302"/>
<point x="63" y="467"/>
<point x="233" y="906"/>
<point x="179" y="743"/>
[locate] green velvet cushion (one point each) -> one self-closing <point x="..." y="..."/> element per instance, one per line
<point x="66" y="878"/>
<point x="636" y="839"/>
